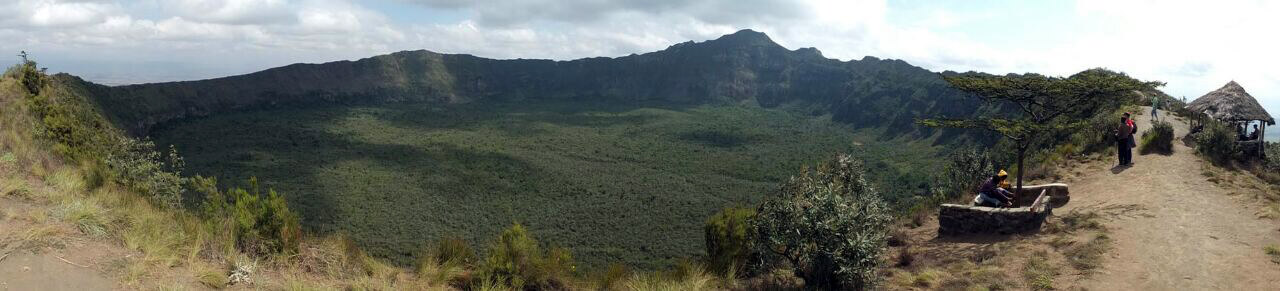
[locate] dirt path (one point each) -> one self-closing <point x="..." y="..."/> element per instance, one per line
<point x="56" y="261"/>
<point x="1173" y="228"/>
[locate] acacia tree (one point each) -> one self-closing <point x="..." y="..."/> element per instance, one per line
<point x="1045" y="105"/>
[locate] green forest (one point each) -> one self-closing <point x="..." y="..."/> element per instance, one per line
<point x="613" y="183"/>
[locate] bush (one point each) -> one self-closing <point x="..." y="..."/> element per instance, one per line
<point x="1216" y="141"/>
<point x="1158" y="139"/>
<point x="263" y="225"/>
<point x="965" y="170"/>
<point x="139" y="166"/>
<point x="828" y="225"/>
<point x="516" y="261"/>
<point x="32" y="77"/>
<point x="1272" y="152"/>
<point x="728" y="240"/>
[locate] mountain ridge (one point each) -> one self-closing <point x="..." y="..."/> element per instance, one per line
<point x="745" y="66"/>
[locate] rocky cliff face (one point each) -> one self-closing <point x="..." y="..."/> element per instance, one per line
<point x="741" y="67"/>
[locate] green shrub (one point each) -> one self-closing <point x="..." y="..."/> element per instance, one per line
<point x="728" y="240"/>
<point x="516" y="261"/>
<point x="966" y="169"/>
<point x="263" y="225"/>
<point x="827" y="224"/>
<point x="1272" y="163"/>
<point x="32" y="77"/>
<point x="1158" y="139"/>
<point x="1216" y="141"/>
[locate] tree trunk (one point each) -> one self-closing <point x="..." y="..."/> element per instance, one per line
<point x="1022" y="153"/>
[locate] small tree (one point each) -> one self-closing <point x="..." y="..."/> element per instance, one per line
<point x="1045" y="105"/>
<point x="828" y="225"/>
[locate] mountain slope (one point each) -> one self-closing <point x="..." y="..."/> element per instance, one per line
<point x="742" y="67"/>
<point x="596" y="154"/>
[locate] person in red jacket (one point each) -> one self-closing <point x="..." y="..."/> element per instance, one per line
<point x="1124" y="140"/>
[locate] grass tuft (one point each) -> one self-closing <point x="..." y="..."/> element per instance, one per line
<point x="1074" y="221"/>
<point x="215" y="279"/>
<point x="1039" y="272"/>
<point x="86" y="214"/>
<point x="697" y="279"/>
<point x="927" y="279"/>
<point x="1088" y="256"/>
<point x="66" y="180"/>
<point x="15" y="187"/>
<point x="1274" y="252"/>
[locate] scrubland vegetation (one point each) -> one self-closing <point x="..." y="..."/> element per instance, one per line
<point x="599" y="179"/>
<point x="114" y="187"/>
<point x="532" y="197"/>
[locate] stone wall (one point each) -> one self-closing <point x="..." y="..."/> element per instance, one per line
<point x="1058" y="191"/>
<point x="954" y="219"/>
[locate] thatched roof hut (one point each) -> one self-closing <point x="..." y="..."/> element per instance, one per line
<point x="1231" y="103"/>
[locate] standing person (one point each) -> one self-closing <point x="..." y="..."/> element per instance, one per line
<point x="1123" y="133"/>
<point x="1155" y="107"/>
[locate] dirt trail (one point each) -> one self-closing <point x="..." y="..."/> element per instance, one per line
<point x="1173" y="228"/>
<point x="78" y="264"/>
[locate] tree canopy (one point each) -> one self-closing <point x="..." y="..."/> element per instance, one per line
<point x="1044" y="105"/>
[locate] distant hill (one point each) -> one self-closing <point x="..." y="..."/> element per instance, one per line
<point x="746" y="66"/>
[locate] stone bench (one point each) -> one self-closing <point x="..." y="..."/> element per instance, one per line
<point x="1028" y="214"/>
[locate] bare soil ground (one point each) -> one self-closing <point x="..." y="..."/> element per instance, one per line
<point x="1189" y="234"/>
<point x="37" y="254"/>
<point x="1169" y="222"/>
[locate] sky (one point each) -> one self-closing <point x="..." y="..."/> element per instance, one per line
<point x="1194" y="46"/>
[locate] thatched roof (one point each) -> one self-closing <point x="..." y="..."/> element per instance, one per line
<point x="1231" y="103"/>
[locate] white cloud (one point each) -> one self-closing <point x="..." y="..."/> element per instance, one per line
<point x="1196" y="46"/>
<point x="61" y="14"/>
<point x="232" y="11"/>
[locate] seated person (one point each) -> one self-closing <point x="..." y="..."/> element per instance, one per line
<point x="990" y="194"/>
<point x="1254" y="135"/>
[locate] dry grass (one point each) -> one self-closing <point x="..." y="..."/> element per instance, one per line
<point x="86" y="214"/>
<point x="961" y="275"/>
<point x="697" y="280"/>
<point x="213" y="278"/>
<point x="1274" y="252"/>
<point x="1088" y="256"/>
<point x="1038" y="272"/>
<point x="1074" y="221"/>
<point x="15" y="187"/>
